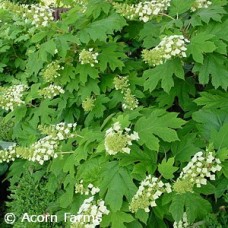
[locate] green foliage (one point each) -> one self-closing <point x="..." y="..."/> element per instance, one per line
<point x="193" y="204"/>
<point x="182" y="108"/>
<point x="166" y="168"/>
<point x="30" y="195"/>
<point x="158" y="124"/>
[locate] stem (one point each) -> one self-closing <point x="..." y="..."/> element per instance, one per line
<point x="80" y="136"/>
<point x="166" y="15"/>
<point x="197" y="224"/>
<point x="65" y="152"/>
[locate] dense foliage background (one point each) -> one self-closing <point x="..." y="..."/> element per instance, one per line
<point x="97" y="59"/>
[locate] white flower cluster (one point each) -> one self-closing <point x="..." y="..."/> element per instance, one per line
<point x="92" y="208"/>
<point x="198" y="170"/>
<point x="90" y="189"/>
<point x="129" y="100"/>
<point x="88" y="104"/>
<point x="51" y="72"/>
<point x="60" y="131"/>
<point x="169" y="47"/>
<point x="43" y="150"/>
<point x="48" y="2"/>
<point x="12" y="97"/>
<point x="121" y="83"/>
<point x="118" y="139"/>
<point x="38" y="15"/>
<point x="150" y="189"/>
<point x="182" y="223"/>
<point x="51" y="91"/>
<point x="199" y="4"/>
<point x="143" y="11"/>
<point x="146" y="10"/>
<point x="88" y="57"/>
<point x="8" y="154"/>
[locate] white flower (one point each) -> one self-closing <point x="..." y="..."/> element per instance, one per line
<point x="150" y="189"/>
<point x="8" y="154"/>
<point x="201" y="167"/>
<point x="182" y="223"/>
<point x="91" y="207"/>
<point x="169" y="47"/>
<point x="88" y="57"/>
<point x="11" y="97"/>
<point x="51" y="91"/>
<point x="118" y="140"/>
<point x="198" y="4"/>
<point x="143" y="11"/>
<point x="90" y="189"/>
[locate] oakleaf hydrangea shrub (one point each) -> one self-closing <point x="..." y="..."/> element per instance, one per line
<point x="119" y="109"/>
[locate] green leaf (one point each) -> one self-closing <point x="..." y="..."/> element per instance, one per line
<point x="211" y="13"/>
<point x="150" y="34"/>
<point x="214" y="67"/>
<point x="144" y="161"/>
<point x="99" y="29"/>
<point x="163" y="73"/>
<point x="67" y="197"/>
<point x="219" y="138"/>
<point x="159" y="124"/>
<point x="209" y="121"/>
<point x="208" y="189"/>
<point x="178" y="7"/>
<point x="222" y="154"/>
<point x="194" y="205"/>
<point x="87" y="169"/>
<point x="166" y="168"/>
<point x="117" y="219"/>
<point x="69" y="165"/>
<point x="85" y="70"/>
<point x="115" y="184"/>
<point x="44" y="113"/>
<point x="31" y="67"/>
<point x="184" y="149"/>
<point x="39" y="36"/>
<point x="177" y="207"/>
<point x="213" y="99"/>
<point x="112" y="55"/>
<point x="225" y="169"/>
<point x="46" y="48"/>
<point x="199" y="45"/>
<point x="97" y="7"/>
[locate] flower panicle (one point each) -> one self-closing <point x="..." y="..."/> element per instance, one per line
<point x="168" y="48"/>
<point x="150" y="189"/>
<point x="11" y="97"/>
<point x="197" y="172"/>
<point x="92" y="208"/>
<point x="51" y="91"/>
<point x="200" y="4"/>
<point x="9" y="154"/>
<point x="88" y="57"/>
<point x="143" y="11"/>
<point x="89" y="190"/>
<point x="118" y="140"/>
